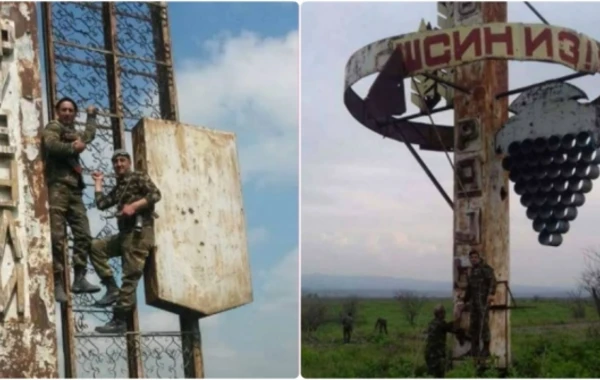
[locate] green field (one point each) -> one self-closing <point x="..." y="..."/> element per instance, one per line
<point x="550" y="338"/>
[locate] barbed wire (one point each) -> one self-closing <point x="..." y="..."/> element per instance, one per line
<point x="82" y="60"/>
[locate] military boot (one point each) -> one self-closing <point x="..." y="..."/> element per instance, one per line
<point x="112" y="293"/>
<point x="117" y="325"/>
<point x="81" y="284"/>
<point x="59" y="289"/>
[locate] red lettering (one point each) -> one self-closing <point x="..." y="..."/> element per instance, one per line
<point x="412" y="57"/>
<point x="440" y="59"/>
<point x="504" y="38"/>
<point x="472" y="39"/>
<point x="588" y="55"/>
<point x="533" y="43"/>
<point x="568" y="50"/>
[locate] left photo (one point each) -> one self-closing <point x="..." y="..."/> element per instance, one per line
<point x="149" y="190"/>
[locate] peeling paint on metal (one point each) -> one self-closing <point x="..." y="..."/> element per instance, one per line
<point x="485" y="78"/>
<point x="29" y="348"/>
<point x="202" y="195"/>
<point x="24" y="9"/>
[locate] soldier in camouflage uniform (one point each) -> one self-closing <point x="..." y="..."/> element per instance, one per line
<point x="481" y="288"/>
<point x="135" y="196"/>
<point x="435" y="348"/>
<point x="347" y="325"/>
<point x="62" y="145"/>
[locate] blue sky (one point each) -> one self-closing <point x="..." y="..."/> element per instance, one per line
<point x="236" y="68"/>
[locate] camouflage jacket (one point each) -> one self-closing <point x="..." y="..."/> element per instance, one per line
<point x="130" y="188"/>
<point x="436" y="337"/>
<point x="481" y="283"/>
<point x="62" y="162"/>
<point x="347" y="322"/>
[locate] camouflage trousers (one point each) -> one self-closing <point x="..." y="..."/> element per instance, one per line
<point x="479" y="324"/>
<point x="133" y="248"/>
<point x="66" y="206"/>
<point x="347" y="334"/>
<point x="436" y="363"/>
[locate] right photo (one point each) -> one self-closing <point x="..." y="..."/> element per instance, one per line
<point x="450" y="152"/>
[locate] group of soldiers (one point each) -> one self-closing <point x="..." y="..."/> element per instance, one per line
<point x="479" y="295"/>
<point x="134" y="195"/>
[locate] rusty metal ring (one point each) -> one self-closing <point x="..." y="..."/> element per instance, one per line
<point x="379" y="111"/>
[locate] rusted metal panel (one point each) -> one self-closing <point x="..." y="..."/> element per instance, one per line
<point x="481" y="217"/>
<point x="28" y="336"/>
<point x="198" y="173"/>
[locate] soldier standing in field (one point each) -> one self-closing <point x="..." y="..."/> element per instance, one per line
<point x="62" y="145"/>
<point x="481" y="288"/>
<point x="435" y="348"/>
<point x="347" y="325"/>
<point x="135" y="196"/>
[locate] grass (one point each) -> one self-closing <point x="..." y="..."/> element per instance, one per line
<point x="547" y="341"/>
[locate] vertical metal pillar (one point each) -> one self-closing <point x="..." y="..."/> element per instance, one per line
<point x="28" y="346"/>
<point x="481" y="212"/>
<point x="191" y="339"/>
<point x="134" y="354"/>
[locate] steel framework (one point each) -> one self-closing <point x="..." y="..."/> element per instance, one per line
<point x="116" y="56"/>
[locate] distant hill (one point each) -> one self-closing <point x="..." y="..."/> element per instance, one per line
<point x="385" y="287"/>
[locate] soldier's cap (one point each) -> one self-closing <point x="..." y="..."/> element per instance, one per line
<point x="120" y="153"/>
<point x="439" y="309"/>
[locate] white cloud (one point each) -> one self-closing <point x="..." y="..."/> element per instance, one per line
<point x="367" y="206"/>
<point x="249" y="85"/>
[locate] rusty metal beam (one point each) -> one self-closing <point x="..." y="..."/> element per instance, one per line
<point x="110" y="52"/>
<point x="481" y="214"/>
<point x="166" y="76"/>
<point x="134" y="362"/>
<point x="112" y="72"/>
<point x="191" y="341"/>
<point x="28" y="343"/>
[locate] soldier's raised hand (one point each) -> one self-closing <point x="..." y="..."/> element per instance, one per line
<point x="91" y="110"/>
<point x="97" y="176"/>
<point x="78" y="145"/>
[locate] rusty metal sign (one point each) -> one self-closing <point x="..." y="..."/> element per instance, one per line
<point x="28" y="345"/>
<point x="551" y="151"/>
<point x="201" y="195"/>
<point x="428" y="51"/>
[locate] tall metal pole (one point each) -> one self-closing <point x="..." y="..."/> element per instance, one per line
<point x="481" y="212"/>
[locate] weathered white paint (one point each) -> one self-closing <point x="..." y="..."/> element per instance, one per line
<point x="27" y="343"/>
<point x="548" y="110"/>
<point x="202" y="255"/>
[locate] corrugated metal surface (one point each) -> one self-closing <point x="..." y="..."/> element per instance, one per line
<point x="201" y="263"/>
<point x="481" y="217"/>
<point x="27" y="339"/>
